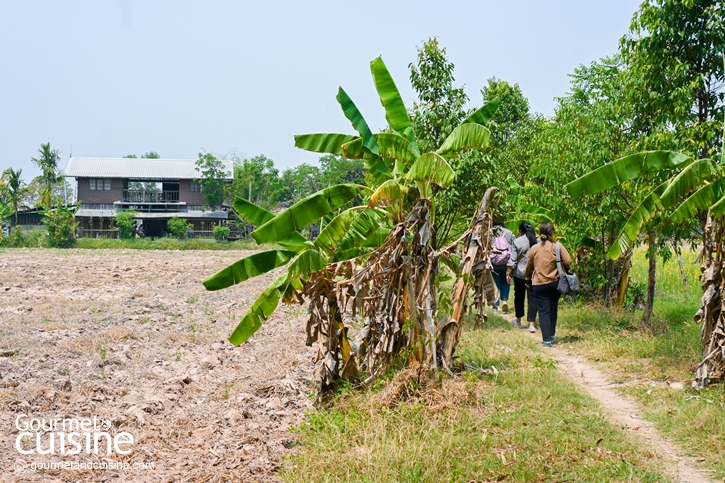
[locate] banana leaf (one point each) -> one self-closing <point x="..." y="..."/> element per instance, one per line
<point x="361" y="229"/>
<point x="377" y="238"/>
<point x="258" y="216"/>
<point x="335" y="230"/>
<point x="358" y="121"/>
<point x="353" y="149"/>
<point x="689" y="179"/>
<point x="465" y="136"/>
<point x="342" y="255"/>
<point x="247" y="268"/>
<point x="390" y="191"/>
<point x="305" y="212"/>
<point x="307" y="262"/>
<point x="395" y="146"/>
<point x="624" y="169"/>
<point x="546" y="215"/>
<point x="647" y="209"/>
<point x="483" y="114"/>
<point x="431" y="168"/>
<point x="260" y="311"/>
<point x="701" y="200"/>
<point x="395" y="112"/>
<point x="323" y="142"/>
<point x="377" y="168"/>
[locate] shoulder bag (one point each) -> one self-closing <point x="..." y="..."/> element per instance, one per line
<point x="568" y="282"/>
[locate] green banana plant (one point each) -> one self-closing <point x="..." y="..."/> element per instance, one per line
<point x="689" y="175"/>
<point x="301" y="256"/>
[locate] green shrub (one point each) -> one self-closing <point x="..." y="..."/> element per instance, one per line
<point x="124" y="222"/>
<point x="220" y="232"/>
<point x="16" y="238"/>
<point x="178" y="227"/>
<point x="61" y="226"/>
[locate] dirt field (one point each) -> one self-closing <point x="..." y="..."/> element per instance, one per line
<point x="133" y="338"/>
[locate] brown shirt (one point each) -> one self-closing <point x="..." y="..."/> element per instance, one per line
<point x="542" y="263"/>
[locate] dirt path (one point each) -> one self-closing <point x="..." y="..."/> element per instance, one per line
<point x="133" y="338"/>
<point x="624" y="412"/>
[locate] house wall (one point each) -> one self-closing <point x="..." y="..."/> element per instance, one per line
<point x="86" y="195"/>
<point x="190" y="197"/>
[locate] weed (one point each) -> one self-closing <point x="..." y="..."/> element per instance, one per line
<point x="102" y="350"/>
<point x="192" y="299"/>
<point x="178" y="356"/>
<point x="145" y="320"/>
<point x="64" y="371"/>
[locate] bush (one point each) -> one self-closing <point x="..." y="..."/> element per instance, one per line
<point x="220" y="232"/>
<point x="178" y="227"/>
<point x="124" y="222"/>
<point x="16" y="238"/>
<point x="61" y="227"/>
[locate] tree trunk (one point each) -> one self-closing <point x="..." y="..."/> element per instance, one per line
<point x="618" y="273"/>
<point x="476" y="265"/>
<point x="712" y="333"/>
<point x="651" y="279"/>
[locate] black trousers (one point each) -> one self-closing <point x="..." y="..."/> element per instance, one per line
<point x="547" y="301"/>
<point x="521" y="293"/>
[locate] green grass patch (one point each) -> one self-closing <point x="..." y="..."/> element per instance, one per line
<point x="510" y="417"/>
<point x="656" y="364"/>
<point x="164" y="244"/>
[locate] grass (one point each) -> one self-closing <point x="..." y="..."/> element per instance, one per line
<point x="656" y="364"/>
<point x="521" y="421"/>
<point x="38" y="239"/>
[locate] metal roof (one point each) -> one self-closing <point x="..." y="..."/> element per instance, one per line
<point x="138" y="168"/>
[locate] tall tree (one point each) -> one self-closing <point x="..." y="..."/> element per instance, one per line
<point x="14" y="189"/>
<point x="439" y="108"/>
<point x="257" y="180"/>
<point x="212" y="179"/>
<point x="511" y="113"/>
<point x="673" y="51"/>
<point x="48" y="164"/>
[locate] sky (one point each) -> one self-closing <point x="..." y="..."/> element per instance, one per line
<point x="118" y="77"/>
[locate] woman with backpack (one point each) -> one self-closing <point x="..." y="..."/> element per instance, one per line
<point x="541" y="269"/>
<point x="516" y="267"/>
<point x="503" y="238"/>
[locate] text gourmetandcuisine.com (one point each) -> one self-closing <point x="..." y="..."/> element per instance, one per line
<point x="69" y="436"/>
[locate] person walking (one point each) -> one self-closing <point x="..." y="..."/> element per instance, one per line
<point x="516" y="268"/>
<point x="542" y="271"/>
<point x="503" y="238"/>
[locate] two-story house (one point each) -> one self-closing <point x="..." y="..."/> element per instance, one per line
<point x="157" y="189"/>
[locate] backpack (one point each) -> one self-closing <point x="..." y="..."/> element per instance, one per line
<point x="500" y="251"/>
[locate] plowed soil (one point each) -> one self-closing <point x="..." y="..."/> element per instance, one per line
<point x="132" y="337"/>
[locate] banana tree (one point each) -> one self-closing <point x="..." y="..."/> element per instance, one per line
<point x="363" y="249"/>
<point x="693" y="188"/>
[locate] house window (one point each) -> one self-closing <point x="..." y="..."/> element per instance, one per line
<point x="195" y="185"/>
<point x="98" y="184"/>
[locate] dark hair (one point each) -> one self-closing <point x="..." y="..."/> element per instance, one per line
<point x="546" y="232"/>
<point x="528" y="230"/>
<point x="498" y="223"/>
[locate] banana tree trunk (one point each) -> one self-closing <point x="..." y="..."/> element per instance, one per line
<point x="711" y="314"/>
<point x="475" y="259"/>
<point x="651" y="279"/>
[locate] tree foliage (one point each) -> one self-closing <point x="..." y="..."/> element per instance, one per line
<point x="47" y="161"/>
<point x="212" y="179"/>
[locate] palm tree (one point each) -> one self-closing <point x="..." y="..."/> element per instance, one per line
<point x="48" y="163"/>
<point x="14" y="190"/>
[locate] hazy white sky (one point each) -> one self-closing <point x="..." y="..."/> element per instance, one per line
<point x="115" y="77"/>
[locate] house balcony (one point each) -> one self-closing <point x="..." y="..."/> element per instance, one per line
<point x="144" y="196"/>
